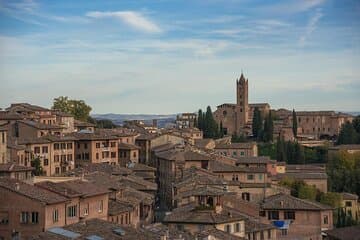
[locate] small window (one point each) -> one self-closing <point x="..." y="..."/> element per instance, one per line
<point x="250" y="177"/>
<point x="97" y="145"/>
<point x="56" y="215"/>
<point x="57" y="170"/>
<point x="37" y="150"/>
<point x="326" y="219"/>
<point x="71" y="211"/>
<point x="46" y="162"/>
<point x="237" y="227"/>
<point x="35" y="217"/>
<point x="45" y="149"/>
<point x="56" y="158"/>
<point x="269" y="234"/>
<point x="101" y="206"/>
<point x="273" y="215"/>
<point x="348" y="203"/>
<point x="112" y="144"/>
<point x="69" y="146"/>
<point x="24" y="217"/>
<point x="228" y="228"/>
<point x="289" y="215"/>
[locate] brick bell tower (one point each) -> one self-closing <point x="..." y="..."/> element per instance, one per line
<point x="242" y="103"/>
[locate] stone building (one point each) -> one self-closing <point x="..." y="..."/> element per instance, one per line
<point x="296" y="218"/>
<point x="3" y="145"/>
<point x="237" y="118"/>
<point x="236" y="150"/>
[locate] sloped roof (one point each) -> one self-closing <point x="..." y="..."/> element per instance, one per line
<point x="245" y="145"/>
<point x="283" y="201"/>
<point x="13" y="167"/>
<point x="189" y="214"/>
<point x="345" y="233"/>
<point x="30" y="191"/>
<point x="183" y="155"/>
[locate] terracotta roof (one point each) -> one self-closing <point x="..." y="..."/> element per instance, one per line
<point x="349" y="196"/>
<point x="147" y="136"/>
<point x="28" y="106"/>
<point x="139" y="183"/>
<point x="105" y="180"/>
<point x="131" y="196"/>
<point x="39" y="125"/>
<point x="128" y="146"/>
<point x="346" y="147"/>
<point x="183" y="155"/>
<point x="305" y="167"/>
<point x="189" y="214"/>
<point x="253" y="225"/>
<point x="30" y="191"/>
<point x="218" y="234"/>
<point x="204" y="190"/>
<point x="217" y="166"/>
<point x="246" y="145"/>
<point x="203" y="143"/>
<point x="45" y="139"/>
<point x="92" y="136"/>
<point x="117" y="206"/>
<point x="195" y="176"/>
<point x="13" y="167"/>
<point x="100" y="228"/>
<point x="139" y="167"/>
<point x="345" y="233"/>
<point x="283" y="201"/>
<point x="172" y="234"/>
<point x="302" y="175"/>
<point x="99" y="167"/>
<point x="5" y="115"/>
<point x="260" y="159"/>
<point x="74" y="188"/>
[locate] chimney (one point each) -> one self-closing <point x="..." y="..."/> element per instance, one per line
<point x="17" y="186"/>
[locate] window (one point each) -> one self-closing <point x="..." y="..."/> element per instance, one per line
<point x="3" y="137"/>
<point x="348" y="204"/>
<point x="284" y="232"/>
<point x="86" y="210"/>
<point x="69" y="146"/>
<point x="85" y="145"/>
<point x="4" y="218"/>
<point x="46" y="162"/>
<point x="262" y="213"/>
<point x="56" y="158"/>
<point x="71" y="211"/>
<point x="250" y="177"/>
<point x="234" y="153"/>
<point x="260" y="176"/>
<point x="24" y="217"/>
<point x="35" y="217"/>
<point x="237" y="227"/>
<point x="273" y="215"/>
<point x="57" y="170"/>
<point x="112" y="144"/>
<point x="269" y="234"/>
<point x="69" y="157"/>
<point x="97" y="155"/>
<point x="245" y="196"/>
<point x="101" y="206"/>
<point x="228" y="228"/>
<point x="242" y="153"/>
<point x="63" y="157"/>
<point x="45" y="149"/>
<point x="289" y="215"/>
<point x="86" y="156"/>
<point x="326" y="219"/>
<point x="56" y="215"/>
<point x="262" y="235"/>
<point x="97" y="145"/>
<point x="113" y="154"/>
<point x="134" y="154"/>
<point x="36" y="149"/>
<point x="78" y="145"/>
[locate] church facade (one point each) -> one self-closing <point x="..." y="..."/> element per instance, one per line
<point x="237" y="118"/>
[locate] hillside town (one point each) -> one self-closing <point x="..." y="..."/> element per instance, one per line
<point x="243" y="172"/>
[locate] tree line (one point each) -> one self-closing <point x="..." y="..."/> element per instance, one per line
<point x="350" y="132"/>
<point x="205" y="122"/>
<point x="262" y="129"/>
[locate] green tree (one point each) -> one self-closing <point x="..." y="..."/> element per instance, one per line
<point x="348" y="134"/>
<point x="256" y="123"/>
<point x="280" y="150"/>
<point x="78" y="108"/>
<point x="268" y="129"/>
<point x="200" y="121"/>
<point x="299" y="155"/>
<point x="331" y="198"/>
<point x="307" y="192"/>
<point x="294" y="123"/>
<point x="36" y="164"/>
<point x="221" y="130"/>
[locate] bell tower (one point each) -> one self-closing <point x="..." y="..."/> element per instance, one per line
<point x="242" y="103"/>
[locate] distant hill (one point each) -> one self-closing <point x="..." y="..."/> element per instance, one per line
<point x="119" y="119"/>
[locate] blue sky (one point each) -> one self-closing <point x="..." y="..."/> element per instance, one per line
<point x="175" y="56"/>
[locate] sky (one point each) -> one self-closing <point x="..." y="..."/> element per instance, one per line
<point x="178" y="56"/>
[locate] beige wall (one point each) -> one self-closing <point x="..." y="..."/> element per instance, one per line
<point x="104" y="153"/>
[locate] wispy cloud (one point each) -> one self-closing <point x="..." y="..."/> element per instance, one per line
<point x="295" y="6"/>
<point x="131" y="18"/>
<point x="310" y="27"/>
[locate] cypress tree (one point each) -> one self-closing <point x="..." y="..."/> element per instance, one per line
<point x="257" y="123"/>
<point x="294" y="123"/>
<point x="348" y="134"/>
<point x="221" y="130"/>
<point x="200" y="121"/>
<point x="268" y="129"/>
